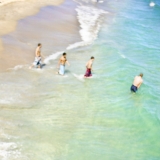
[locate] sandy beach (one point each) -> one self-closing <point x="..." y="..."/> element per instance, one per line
<point x="13" y="10"/>
<point x="18" y="44"/>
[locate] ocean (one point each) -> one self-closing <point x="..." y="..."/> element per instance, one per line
<point x="49" y="117"/>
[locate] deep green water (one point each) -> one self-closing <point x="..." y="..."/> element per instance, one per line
<point x="47" y="117"/>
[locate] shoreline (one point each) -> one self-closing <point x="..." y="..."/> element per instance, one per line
<point x="11" y="11"/>
<point x="20" y="43"/>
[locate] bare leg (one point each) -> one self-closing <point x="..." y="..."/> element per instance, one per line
<point x="31" y="66"/>
<point x="39" y="66"/>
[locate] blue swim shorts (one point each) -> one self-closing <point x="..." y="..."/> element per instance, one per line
<point x="134" y="88"/>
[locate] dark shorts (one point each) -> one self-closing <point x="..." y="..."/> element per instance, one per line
<point x="37" y="61"/>
<point x="134" y="88"/>
<point x="88" y="73"/>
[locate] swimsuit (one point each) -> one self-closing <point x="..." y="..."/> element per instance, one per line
<point x="88" y="73"/>
<point x="37" y="61"/>
<point x="61" y="69"/>
<point x="134" y="88"/>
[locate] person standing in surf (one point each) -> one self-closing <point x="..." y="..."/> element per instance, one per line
<point x="37" y="62"/>
<point x="89" y="68"/>
<point x="61" y="64"/>
<point x="137" y="83"/>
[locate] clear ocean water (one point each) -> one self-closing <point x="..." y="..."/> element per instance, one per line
<point x="47" y="117"/>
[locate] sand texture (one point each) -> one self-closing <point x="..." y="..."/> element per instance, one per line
<point x="13" y="10"/>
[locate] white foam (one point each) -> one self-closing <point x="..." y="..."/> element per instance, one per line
<point x="90" y="20"/>
<point x="8" y="150"/>
<point x="18" y="67"/>
<point x="77" y="44"/>
<point x="46" y="61"/>
<point x="52" y="57"/>
<point x="95" y="1"/>
<point x="79" y="77"/>
<point x="100" y="1"/>
<point x="152" y="4"/>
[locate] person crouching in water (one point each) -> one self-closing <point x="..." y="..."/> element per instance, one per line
<point x="61" y="64"/>
<point x="89" y="68"/>
<point x="37" y="62"/>
<point x="137" y="83"/>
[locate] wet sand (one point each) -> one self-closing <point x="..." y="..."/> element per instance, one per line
<point x="30" y="23"/>
<point x="13" y="10"/>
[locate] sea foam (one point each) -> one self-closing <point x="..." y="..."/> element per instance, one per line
<point x="90" y="19"/>
<point x="79" y="77"/>
<point x="152" y="4"/>
<point x="9" y="150"/>
<point x="52" y="57"/>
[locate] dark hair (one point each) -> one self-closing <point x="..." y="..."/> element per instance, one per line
<point x="141" y="74"/>
<point x="92" y="57"/>
<point x="64" y="54"/>
<point x="39" y="44"/>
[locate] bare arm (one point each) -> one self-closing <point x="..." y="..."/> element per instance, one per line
<point x="91" y="67"/>
<point x="42" y="56"/>
<point x="87" y="64"/>
<point x="59" y="62"/>
<point x="68" y="63"/>
<point x="36" y="53"/>
<point x="139" y="84"/>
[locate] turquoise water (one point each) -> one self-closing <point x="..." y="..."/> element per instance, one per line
<point x="120" y="125"/>
<point x="68" y="118"/>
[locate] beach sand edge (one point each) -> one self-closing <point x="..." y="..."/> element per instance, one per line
<point x="11" y="11"/>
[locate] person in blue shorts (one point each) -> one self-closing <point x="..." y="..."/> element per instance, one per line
<point x="61" y="64"/>
<point x="137" y="83"/>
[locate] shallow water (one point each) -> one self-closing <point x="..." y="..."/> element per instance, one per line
<point x="46" y="116"/>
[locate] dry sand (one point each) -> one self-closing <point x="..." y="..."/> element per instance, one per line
<point x="13" y="10"/>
